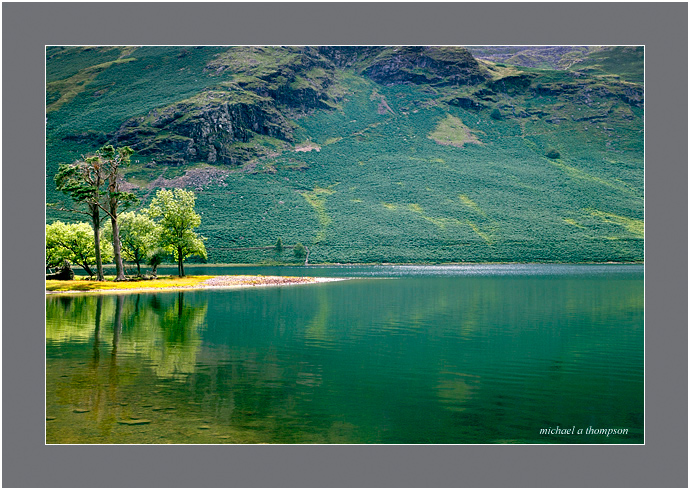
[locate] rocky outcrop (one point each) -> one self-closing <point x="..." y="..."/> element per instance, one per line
<point x="349" y="56"/>
<point x="511" y="85"/>
<point x="207" y="128"/>
<point x="297" y="78"/>
<point x="467" y="103"/>
<point x="439" y="66"/>
<point x="631" y="94"/>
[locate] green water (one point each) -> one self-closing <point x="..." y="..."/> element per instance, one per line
<point x="394" y="355"/>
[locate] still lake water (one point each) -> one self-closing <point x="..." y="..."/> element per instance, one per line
<point x="394" y="355"/>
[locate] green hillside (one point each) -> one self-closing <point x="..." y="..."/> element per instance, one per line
<point x="369" y="154"/>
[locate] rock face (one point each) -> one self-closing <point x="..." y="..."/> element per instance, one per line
<point x="259" y="89"/>
<point x="207" y="128"/>
<point x="349" y="56"/>
<point x="439" y="66"/>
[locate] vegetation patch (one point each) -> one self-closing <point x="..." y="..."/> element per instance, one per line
<point x="634" y="226"/>
<point x="572" y="222"/>
<point x="308" y="146"/>
<point x="580" y="174"/>
<point x="451" y="131"/>
<point x="479" y="232"/>
<point x="471" y="204"/>
<point x="317" y="200"/>
<point x="67" y="89"/>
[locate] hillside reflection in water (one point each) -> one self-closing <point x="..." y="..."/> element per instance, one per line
<point x="452" y="358"/>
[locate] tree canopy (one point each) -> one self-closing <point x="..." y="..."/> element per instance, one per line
<point x="173" y="210"/>
<point x="74" y="243"/>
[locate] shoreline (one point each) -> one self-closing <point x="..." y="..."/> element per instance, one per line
<point x="214" y="282"/>
<point x="366" y="264"/>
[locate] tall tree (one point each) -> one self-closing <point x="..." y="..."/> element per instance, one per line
<point x="174" y="212"/>
<point x="113" y="161"/>
<point x="95" y="181"/>
<point x="82" y="181"/>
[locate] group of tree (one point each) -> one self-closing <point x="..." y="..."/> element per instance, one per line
<point x="94" y="184"/>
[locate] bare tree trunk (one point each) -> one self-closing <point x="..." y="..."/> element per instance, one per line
<point x="97" y="330"/>
<point x="117" y="327"/>
<point x="95" y="216"/>
<point x="112" y="206"/>
<point x="120" y="271"/>
<point x="180" y="263"/>
<point x="88" y="270"/>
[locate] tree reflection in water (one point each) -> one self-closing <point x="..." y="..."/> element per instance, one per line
<point x="165" y="333"/>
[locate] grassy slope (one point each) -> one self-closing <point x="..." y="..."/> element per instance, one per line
<point x="381" y="190"/>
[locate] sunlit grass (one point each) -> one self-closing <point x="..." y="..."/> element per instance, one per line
<point x="72" y="86"/>
<point x="471" y="204"/>
<point x="84" y="284"/>
<point x="317" y="200"/>
<point x="452" y="131"/>
<point x="634" y="226"/>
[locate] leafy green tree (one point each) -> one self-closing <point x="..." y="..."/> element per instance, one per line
<point x="74" y="243"/>
<point x="139" y="237"/>
<point x="299" y="251"/>
<point x="279" y="245"/>
<point x="173" y="211"/>
<point x="156" y="258"/>
<point x="95" y="182"/>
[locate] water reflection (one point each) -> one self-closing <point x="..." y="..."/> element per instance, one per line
<point x="162" y="328"/>
<point x="405" y="360"/>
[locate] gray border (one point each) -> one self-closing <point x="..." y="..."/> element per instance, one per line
<point x="661" y="462"/>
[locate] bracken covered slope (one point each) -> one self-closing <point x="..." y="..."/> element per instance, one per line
<point x="371" y="154"/>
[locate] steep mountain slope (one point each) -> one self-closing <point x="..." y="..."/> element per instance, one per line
<point x="369" y="154"/>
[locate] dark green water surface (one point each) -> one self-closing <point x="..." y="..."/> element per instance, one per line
<point x="394" y="355"/>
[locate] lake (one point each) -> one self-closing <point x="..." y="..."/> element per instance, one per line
<point x="478" y="354"/>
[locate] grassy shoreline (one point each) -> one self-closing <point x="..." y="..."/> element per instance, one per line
<point x="171" y="283"/>
<point x="83" y="284"/>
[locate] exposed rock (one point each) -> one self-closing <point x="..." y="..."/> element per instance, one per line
<point x="134" y="422"/>
<point x="89" y="137"/>
<point x="467" y="103"/>
<point x="348" y="56"/>
<point x="206" y="128"/>
<point x="433" y="65"/>
<point x="511" y="84"/>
